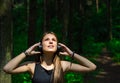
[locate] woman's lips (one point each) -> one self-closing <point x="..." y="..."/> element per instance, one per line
<point x="51" y="46"/>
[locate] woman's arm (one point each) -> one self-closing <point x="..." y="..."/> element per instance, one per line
<point x="13" y="65"/>
<point x="84" y="65"/>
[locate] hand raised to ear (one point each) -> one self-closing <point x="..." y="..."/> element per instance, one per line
<point x="31" y="50"/>
<point x="66" y="50"/>
<point x="64" y="53"/>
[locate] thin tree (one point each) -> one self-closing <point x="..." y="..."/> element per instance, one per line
<point x="97" y="5"/>
<point x="4" y="5"/>
<point x="32" y="22"/>
<point x="70" y="25"/>
<point x="62" y="16"/>
<point x="46" y="16"/>
<point x="82" y="21"/>
<point x="5" y="41"/>
<point x="109" y="19"/>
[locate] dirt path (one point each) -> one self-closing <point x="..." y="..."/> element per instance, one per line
<point x="109" y="70"/>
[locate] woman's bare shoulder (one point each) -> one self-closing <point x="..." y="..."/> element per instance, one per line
<point x="65" y="65"/>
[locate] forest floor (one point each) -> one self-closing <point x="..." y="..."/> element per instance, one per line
<point x="109" y="70"/>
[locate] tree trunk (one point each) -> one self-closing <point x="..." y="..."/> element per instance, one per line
<point x="109" y="20"/>
<point x="65" y="19"/>
<point x="70" y="25"/>
<point x="32" y="22"/>
<point x="97" y="5"/>
<point x="59" y="9"/>
<point x="5" y="44"/>
<point x="82" y="21"/>
<point x="4" y="6"/>
<point x="46" y="16"/>
<point x="62" y="16"/>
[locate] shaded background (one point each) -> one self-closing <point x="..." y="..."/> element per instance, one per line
<point x="89" y="27"/>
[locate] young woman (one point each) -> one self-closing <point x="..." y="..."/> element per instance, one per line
<point x="49" y="68"/>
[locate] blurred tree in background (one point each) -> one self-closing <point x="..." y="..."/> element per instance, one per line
<point x="6" y="38"/>
<point x="89" y="27"/>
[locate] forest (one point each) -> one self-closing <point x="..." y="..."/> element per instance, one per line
<point x="89" y="27"/>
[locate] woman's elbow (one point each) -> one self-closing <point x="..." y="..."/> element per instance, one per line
<point x="93" y="68"/>
<point x="6" y="70"/>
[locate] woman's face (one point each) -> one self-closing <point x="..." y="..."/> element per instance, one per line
<point x="49" y="43"/>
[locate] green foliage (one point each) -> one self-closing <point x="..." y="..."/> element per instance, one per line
<point x="73" y="78"/>
<point x="21" y="78"/>
<point x="56" y="26"/>
<point x="20" y="40"/>
<point x="114" y="48"/>
<point x="40" y="1"/>
<point x="90" y="47"/>
<point x="19" y="30"/>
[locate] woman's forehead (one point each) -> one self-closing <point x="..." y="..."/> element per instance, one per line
<point x="49" y="36"/>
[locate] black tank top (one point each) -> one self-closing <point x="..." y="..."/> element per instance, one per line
<point x="41" y="75"/>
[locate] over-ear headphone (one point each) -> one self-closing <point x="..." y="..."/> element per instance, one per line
<point x="59" y="48"/>
<point x="40" y="48"/>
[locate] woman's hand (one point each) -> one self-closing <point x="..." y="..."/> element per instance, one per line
<point x="66" y="50"/>
<point x="31" y="51"/>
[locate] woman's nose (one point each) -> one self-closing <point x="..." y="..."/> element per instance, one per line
<point x="50" y="41"/>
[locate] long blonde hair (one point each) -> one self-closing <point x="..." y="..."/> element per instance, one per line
<point x="58" y="71"/>
<point x="57" y="76"/>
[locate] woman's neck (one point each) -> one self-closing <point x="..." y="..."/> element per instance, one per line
<point x="47" y="62"/>
<point x="47" y="59"/>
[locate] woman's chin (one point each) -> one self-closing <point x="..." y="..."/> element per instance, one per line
<point x="50" y="51"/>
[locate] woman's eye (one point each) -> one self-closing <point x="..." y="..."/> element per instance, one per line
<point x="54" y="39"/>
<point x="46" y="39"/>
<point x="51" y="39"/>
